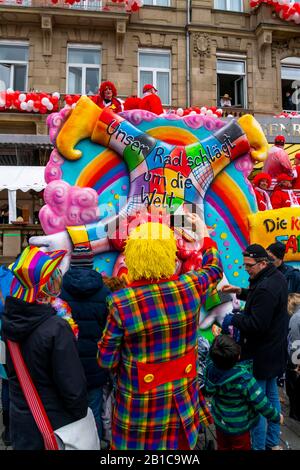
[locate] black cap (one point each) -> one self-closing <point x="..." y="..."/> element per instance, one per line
<point x="255" y="251"/>
<point x="277" y="249"/>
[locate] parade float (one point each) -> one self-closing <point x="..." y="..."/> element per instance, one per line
<point x="110" y="172"/>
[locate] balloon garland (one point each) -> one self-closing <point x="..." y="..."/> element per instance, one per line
<point x="130" y="5"/>
<point x="32" y="102"/>
<point x="286" y="9"/>
<point x="36" y="102"/>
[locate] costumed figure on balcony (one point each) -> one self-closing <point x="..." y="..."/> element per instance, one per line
<point x="261" y="183"/>
<point x="107" y="97"/>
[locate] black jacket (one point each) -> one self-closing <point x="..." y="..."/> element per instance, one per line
<point x="86" y="294"/>
<point x="49" y="350"/>
<point x="292" y="276"/>
<point x="264" y="323"/>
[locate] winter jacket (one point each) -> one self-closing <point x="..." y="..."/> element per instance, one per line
<point x="151" y="102"/>
<point x="49" y="350"/>
<point x="86" y="294"/>
<point x="237" y="398"/>
<point x="294" y="335"/>
<point x="264" y="323"/>
<point x="292" y="276"/>
<point x="5" y="281"/>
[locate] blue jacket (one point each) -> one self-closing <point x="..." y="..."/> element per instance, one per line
<point x="292" y="276"/>
<point x="86" y="294"/>
<point x="237" y="398"/>
<point x="5" y="282"/>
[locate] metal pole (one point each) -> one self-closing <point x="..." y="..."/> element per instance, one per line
<point x="188" y="81"/>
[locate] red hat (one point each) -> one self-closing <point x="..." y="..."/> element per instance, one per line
<point x="262" y="176"/>
<point x="109" y="85"/>
<point x="280" y="139"/>
<point x="284" y="177"/>
<point x="148" y="87"/>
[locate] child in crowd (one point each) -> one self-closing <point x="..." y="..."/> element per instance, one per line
<point x="237" y="400"/>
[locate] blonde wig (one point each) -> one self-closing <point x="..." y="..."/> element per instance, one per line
<point x="150" y="252"/>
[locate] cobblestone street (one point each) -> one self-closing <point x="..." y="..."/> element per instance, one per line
<point x="290" y="435"/>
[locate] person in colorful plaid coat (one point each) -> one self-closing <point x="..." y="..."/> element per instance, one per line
<point x="150" y="340"/>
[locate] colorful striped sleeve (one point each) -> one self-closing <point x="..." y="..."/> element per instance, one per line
<point x="110" y="342"/>
<point x="211" y="271"/>
<point x="260" y="402"/>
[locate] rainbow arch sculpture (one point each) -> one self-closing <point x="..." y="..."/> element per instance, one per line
<point x="93" y="176"/>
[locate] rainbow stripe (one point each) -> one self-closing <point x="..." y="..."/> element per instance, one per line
<point x="102" y="171"/>
<point x="232" y="205"/>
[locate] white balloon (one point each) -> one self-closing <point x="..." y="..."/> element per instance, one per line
<point x="193" y="112"/>
<point x="209" y="112"/>
<point x="56" y="95"/>
<point x="203" y="109"/>
<point x="29" y="107"/>
<point x="45" y="101"/>
<point x="22" y="97"/>
<point x="180" y="112"/>
<point x="9" y="90"/>
<point x="23" y="106"/>
<point x="36" y="110"/>
<point x="220" y="111"/>
<point x="2" y="103"/>
<point x="49" y="106"/>
<point x="30" y="103"/>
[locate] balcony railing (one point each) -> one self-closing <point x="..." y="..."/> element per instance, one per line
<point x="89" y="5"/>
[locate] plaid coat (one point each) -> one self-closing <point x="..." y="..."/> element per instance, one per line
<point x="150" y="324"/>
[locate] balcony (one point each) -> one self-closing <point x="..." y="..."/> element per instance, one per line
<point x="89" y="5"/>
<point x="236" y="111"/>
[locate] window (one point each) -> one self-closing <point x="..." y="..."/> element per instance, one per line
<point x="290" y="83"/>
<point x="155" y="68"/>
<point x="87" y="5"/>
<point x="231" y="80"/>
<point x="229" y="5"/>
<point x="159" y="3"/>
<point x="83" y="76"/>
<point x="13" y="66"/>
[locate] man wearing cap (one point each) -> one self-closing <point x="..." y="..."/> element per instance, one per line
<point x="278" y="160"/>
<point x="282" y="195"/>
<point x="151" y="101"/>
<point x="263" y="326"/>
<point x="276" y="252"/>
